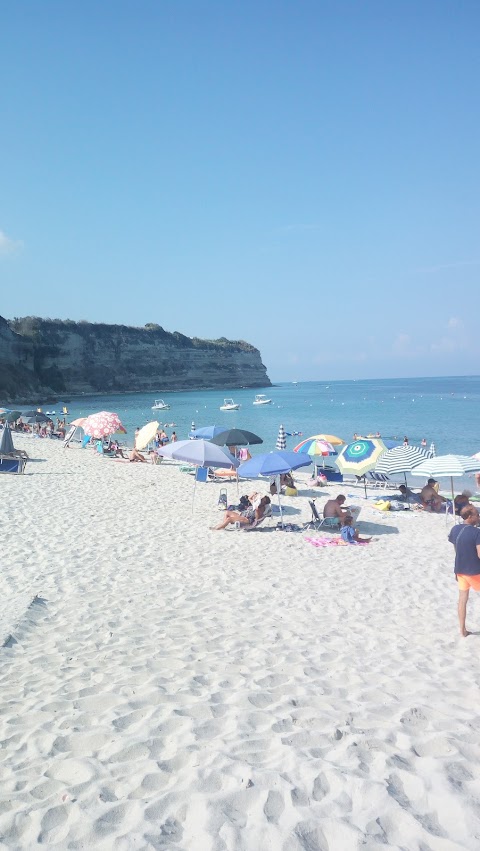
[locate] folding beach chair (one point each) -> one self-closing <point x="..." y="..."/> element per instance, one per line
<point x="201" y="474"/>
<point x="315" y="521"/>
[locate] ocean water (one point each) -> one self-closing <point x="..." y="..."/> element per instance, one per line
<point x="443" y="410"/>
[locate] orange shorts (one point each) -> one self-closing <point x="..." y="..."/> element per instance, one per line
<point x="467" y="582"/>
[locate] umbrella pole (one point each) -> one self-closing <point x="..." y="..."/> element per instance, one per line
<point x="194" y="489"/>
<point x="277" y="482"/>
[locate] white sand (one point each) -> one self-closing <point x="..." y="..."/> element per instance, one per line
<point x="188" y="689"/>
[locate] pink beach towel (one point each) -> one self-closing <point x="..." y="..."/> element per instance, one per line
<point x="333" y="542"/>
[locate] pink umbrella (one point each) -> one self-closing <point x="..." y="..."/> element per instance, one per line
<point x="79" y="422"/>
<point x="102" y="424"/>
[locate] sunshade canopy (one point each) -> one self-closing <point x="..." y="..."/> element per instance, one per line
<point x="102" y="424"/>
<point x="207" y="432"/>
<point x="447" y="466"/>
<point x="361" y="456"/>
<point x="401" y="459"/>
<point x="330" y="438"/>
<point x="146" y="434"/>
<point x="36" y="417"/>
<point x="236" y="437"/>
<point x="273" y="464"/>
<point x="201" y="453"/>
<point x="313" y="446"/>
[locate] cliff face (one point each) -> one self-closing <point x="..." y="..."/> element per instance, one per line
<point x="54" y="357"/>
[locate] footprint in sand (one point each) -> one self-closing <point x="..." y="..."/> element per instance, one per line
<point x="274" y="806"/>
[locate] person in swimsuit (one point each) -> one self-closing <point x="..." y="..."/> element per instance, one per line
<point x="247" y="517"/>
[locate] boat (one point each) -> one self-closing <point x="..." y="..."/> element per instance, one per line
<point x="229" y="405"/>
<point x="261" y="399"/>
<point x="159" y="405"/>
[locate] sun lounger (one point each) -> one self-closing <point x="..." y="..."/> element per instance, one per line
<point x="9" y="464"/>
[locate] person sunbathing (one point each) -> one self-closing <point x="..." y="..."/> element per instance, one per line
<point x="247" y="517"/>
<point x="135" y="455"/>
<point x="349" y="534"/>
<point x="431" y="499"/>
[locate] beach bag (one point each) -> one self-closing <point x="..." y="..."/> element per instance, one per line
<point x="291" y="492"/>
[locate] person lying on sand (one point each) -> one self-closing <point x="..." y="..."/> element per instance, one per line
<point x="247" y="517"/>
<point x="349" y="534"/>
<point x="466" y="540"/>
<point x="410" y="496"/>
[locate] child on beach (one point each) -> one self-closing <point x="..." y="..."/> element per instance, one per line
<point x="349" y="534"/>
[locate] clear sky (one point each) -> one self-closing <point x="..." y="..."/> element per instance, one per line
<point x="302" y="175"/>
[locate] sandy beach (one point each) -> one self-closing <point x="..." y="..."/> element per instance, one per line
<point x="174" y="687"/>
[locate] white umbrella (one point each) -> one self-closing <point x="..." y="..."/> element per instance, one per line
<point x="447" y="467"/>
<point x="401" y="459"/>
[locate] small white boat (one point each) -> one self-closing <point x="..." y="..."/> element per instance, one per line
<point x="229" y="405"/>
<point x="159" y="405"/>
<point x="260" y="399"/>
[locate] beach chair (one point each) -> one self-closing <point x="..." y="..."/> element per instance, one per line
<point x="315" y="521"/>
<point x="201" y="474"/>
<point x="9" y="464"/>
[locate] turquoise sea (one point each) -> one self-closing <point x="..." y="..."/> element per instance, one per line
<point x="443" y="410"/>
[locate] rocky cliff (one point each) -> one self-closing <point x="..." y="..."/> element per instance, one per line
<point x="42" y="357"/>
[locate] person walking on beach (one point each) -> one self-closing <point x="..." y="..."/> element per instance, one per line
<point x="466" y="540"/>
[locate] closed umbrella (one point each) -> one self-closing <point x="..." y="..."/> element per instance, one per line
<point x="200" y="453"/>
<point x="102" y="424"/>
<point x="281" y="439"/>
<point x="273" y="464"/>
<point x="401" y="459"/>
<point x="447" y="467"/>
<point x="146" y="435"/>
<point x="360" y="457"/>
<point x="6" y="442"/>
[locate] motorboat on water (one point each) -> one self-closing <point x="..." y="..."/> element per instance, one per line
<point x="261" y="399"/>
<point x="160" y="405"/>
<point x="229" y="405"/>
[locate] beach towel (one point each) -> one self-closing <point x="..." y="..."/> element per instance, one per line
<point x="333" y="542"/>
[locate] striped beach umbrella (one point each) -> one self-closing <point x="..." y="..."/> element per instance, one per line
<point x="281" y="439"/>
<point x="432" y="451"/>
<point x="401" y="459"/>
<point x="447" y="467"/>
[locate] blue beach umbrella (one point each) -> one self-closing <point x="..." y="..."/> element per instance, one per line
<point x="207" y="432"/>
<point x="273" y="464"/>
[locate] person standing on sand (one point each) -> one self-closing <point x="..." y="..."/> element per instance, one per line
<point x="466" y="540"/>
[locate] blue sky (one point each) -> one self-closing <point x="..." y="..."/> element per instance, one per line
<point x="300" y="175"/>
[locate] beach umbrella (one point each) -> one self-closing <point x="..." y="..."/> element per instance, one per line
<point x="12" y="416"/>
<point x="401" y="459"/>
<point x="206" y="433"/>
<point x="4" y="411"/>
<point x="391" y="444"/>
<point x="316" y="448"/>
<point x="447" y="467"/>
<point x="330" y="438"/>
<point x="146" y="435"/>
<point x="36" y="417"/>
<point x="236" y="437"/>
<point x="6" y="442"/>
<point x="102" y="424"/>
<point x="360" y="457"/>
<point x="200" y="453"/>
<point x="432" y="451"/>
<point x="281" y="439"/>
<point x="273" y="464"/>
<point x="78" y="422"/>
